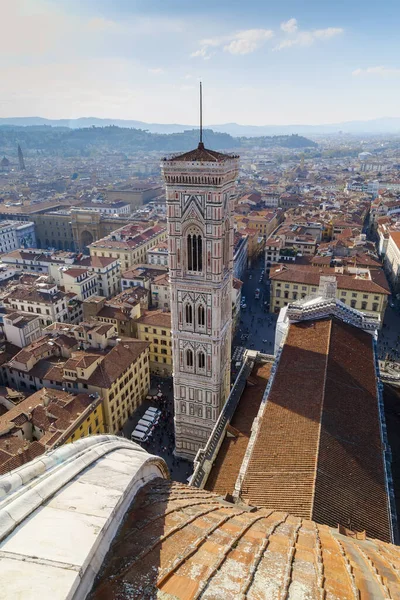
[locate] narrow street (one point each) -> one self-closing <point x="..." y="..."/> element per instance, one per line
<point x="255" y="321"/>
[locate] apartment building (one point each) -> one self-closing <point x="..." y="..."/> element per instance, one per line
<point x="158" y="255"/>
<point x="122" y="311"/>
<point x="155" y="327"/>
<point x="160" y="292"/>
<point x="364" y="289"/>
<point x="129" y="244"/>
<point x="21" y="330"/>
<point x="142" y="275"/>
<point x="44" y="420"/>
<point x="41" y="298"/>
<point x="79" y="282"/>
<point x="16" y="234"/>
<point x="392" y="259"/>
<point x="118" y="373"/>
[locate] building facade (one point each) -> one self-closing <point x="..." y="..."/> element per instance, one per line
<point x="200" y="188"/>
<point x="155" y="327"/>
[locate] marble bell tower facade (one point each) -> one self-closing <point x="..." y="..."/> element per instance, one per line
<point x="200" y="193"/>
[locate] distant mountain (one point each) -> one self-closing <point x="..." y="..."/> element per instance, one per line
<point x="382" y="125"/>
<point x="64" y="141"/>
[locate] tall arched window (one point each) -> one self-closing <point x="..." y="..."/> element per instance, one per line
<point x="201" y="360"/>
<point x="225" y="245"/>
<point x="194" y="252"/>
<point x="201" y="316"/>
<point x="189" y="314"/>
<point x="189" y="358"/>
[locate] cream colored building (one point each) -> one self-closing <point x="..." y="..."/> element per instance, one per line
<point x="161" y="292"/>
<point x="392" y="259"/>
<point x="155" y="327"/>
<point x="363" y="289"/>
<point x="129" y="244"/>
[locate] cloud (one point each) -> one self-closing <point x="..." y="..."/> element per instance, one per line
<point x="296" y="37"/>
<point x="377" y="71"/>
<point x="248" y="41"/>
<point x="241" y="42"/>
<point x="289" y="26"/>
<point x="203" y="53"/>
<point x="156" y="71"/>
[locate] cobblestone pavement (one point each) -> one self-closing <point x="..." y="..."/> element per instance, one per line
<point x="161" y="442"/>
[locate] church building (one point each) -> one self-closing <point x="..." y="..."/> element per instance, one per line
<point x="200" y="191"/>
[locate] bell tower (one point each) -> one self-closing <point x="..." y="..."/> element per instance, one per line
<point x="200" y="191"/>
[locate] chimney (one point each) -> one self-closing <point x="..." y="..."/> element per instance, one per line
<point x="45" y="397"/>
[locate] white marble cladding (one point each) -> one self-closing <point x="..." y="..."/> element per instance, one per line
<point x="60" y="512"/>
<point x="200" y="197"/>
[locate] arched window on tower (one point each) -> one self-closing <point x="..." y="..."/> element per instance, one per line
<point x="225" y="244"/>
<point x="194" y="252"/>
<point x="201" y="360"/>
<point x="201" y="316"/>
<point x="188" y="314"/>
<point x="189" y="358"/>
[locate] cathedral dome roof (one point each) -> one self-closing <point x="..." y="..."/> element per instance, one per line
<point x="179" y="542"/>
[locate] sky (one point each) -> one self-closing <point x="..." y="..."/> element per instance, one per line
<point x="261" y="61"/>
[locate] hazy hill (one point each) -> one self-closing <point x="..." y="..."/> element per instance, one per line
<point x="94" y="140"/>
<point x="382" y="125"/>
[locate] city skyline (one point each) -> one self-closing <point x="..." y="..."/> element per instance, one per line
<point x="260" y="63"/>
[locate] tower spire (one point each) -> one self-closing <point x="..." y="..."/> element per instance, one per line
<point x="201" y="145"/>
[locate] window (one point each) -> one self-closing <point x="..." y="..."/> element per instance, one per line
<point x="375" y="307"/>
<point x="163" y="332"/>
<point x="201" y="360"/>
<point x="189" y="358"/>
<point x="278" y="293"/>
<point x="363" y="305"/>
<point x="278" y="285"/>
<point x="365" y="296"/>
<point x="376" y="297"/>
<point x="344" y="293"/>
<point x="304" y="288"/>
<point x="313" y="289"/>
<point x="189" y="314"/>
<point x="353" y="303"/>
<point x="201" y="316"/>
<point x="286" y="285"/>
<point x="354" y="295"/>
<point x="295" y="287"/>
<point x="194" y="252"/>
<point x="286" y="294"/>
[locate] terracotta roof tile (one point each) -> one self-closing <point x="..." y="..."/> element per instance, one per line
<point x="184" y="543"/>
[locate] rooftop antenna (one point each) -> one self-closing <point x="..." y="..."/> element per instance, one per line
<point x="201" y="145"/>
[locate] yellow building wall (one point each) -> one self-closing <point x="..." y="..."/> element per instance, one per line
<point x="298" y="291"/>
<point x="160" y="362"/>
<point x="126" y="394"/>
<point x="93" y="424"/>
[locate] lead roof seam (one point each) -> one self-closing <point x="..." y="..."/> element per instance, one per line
<point x="374" y="571"/>
<point x="162" y="539"/>
<point x="284" y="590"/>
<point x="226" y="550"/>
<point x="348" y="566"/>
<point x="192" y="548"/>
<point x="258" y="558"/>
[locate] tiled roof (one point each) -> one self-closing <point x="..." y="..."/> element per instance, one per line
<point x="225" y="470"/>
<point x="116" y="361"/>
<point x="183" y="543"/>
<point x="305" y="274"/>
<point x="156" y="318"/>
<point x="318" y="452"/>
<point x="202" y="154"/>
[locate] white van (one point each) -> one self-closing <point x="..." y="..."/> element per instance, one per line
<point x="143" y="428"/>
<point x="138" y="436"/>
<point x="144" y="423"/>
<point x="148" y="419"/>
<point x="152" y="410"/>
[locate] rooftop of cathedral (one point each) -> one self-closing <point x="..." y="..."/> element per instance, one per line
<point x="60" y="518"/>
<point x="202" y="154"/>
<point x="317" y="449"/>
